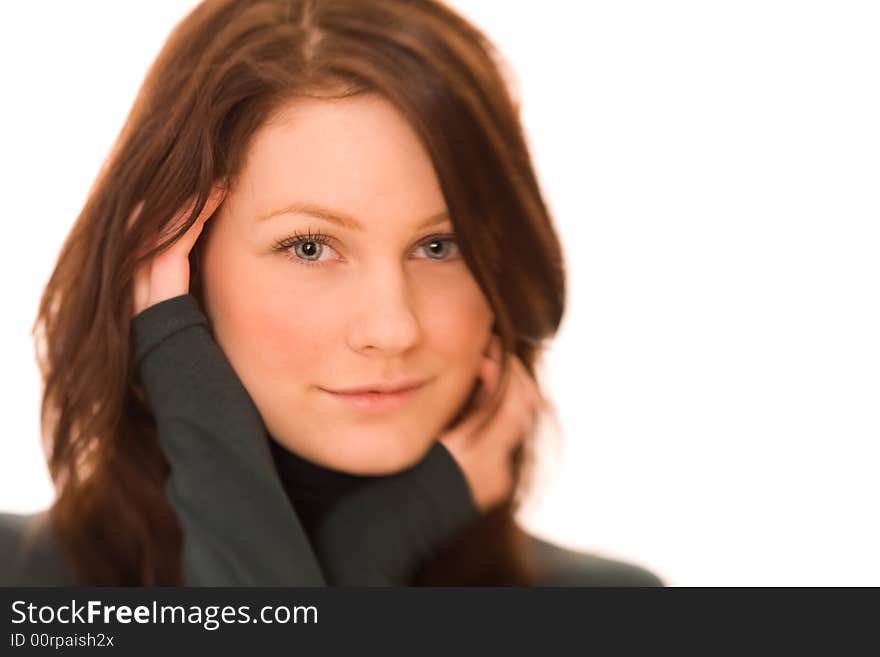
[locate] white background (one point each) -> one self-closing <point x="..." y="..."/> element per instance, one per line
<point x="714" y="172"/>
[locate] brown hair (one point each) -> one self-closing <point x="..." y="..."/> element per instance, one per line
<point x="224" y="70"/>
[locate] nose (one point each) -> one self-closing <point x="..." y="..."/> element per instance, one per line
<point x="385" y="322"/>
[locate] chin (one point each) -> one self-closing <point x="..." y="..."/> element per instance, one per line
<point x="362" y="451"/>
<point x="383" y="454"/>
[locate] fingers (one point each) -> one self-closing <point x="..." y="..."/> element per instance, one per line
<point x="214" y="200"/>
<point x="141" y="287"/>
<point x="483" y="442"/>
<point x="490" y="370"/>
<point x="141" y="282"/>
<point x="188" y="240"/>
<point x="518" y="412"/>
<point x="135" y="214"/>
<point x="518" y="409"/>
<point x="166" y="274"/>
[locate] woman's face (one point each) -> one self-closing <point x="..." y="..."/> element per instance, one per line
<point x="387" y="299"/>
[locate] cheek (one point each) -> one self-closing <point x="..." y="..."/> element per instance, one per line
<point x="456" y="317"/>
<point x="457" y="324"/>
<point x="456" y="311"/>
<point x="287" y="336"/>
<point x="274" y="333"/>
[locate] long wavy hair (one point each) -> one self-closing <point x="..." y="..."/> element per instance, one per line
<point x="223" y="71"/>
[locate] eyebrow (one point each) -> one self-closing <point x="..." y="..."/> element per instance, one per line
<point x="342" y="219"/>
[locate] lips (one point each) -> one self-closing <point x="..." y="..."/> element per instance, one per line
<point x="379" y="388"/>
<point x="368" y="400"/>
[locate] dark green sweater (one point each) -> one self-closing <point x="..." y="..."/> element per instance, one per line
<point x="253" y="513"/>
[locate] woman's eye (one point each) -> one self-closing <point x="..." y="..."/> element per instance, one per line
<point x="305" y="249"/>
<point x="438" y="248"/>
<point x="309" y="250"/>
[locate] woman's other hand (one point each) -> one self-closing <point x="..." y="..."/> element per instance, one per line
<point x="485" y="456"/>
<point x="166" y="275"/>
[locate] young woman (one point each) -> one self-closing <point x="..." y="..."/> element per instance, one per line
<point x="291" y="338"/>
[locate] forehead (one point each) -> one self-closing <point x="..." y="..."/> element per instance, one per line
<point x="358" y="155"/>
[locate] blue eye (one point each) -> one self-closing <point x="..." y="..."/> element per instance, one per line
<point x="309" y="249"/>
<point x="433" y="243"/>
<point x="304" y="249"/>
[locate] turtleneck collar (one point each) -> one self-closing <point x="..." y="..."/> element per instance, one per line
<point x="313" y="489"/>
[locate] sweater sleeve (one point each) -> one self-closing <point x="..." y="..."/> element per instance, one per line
<point x="238" y="526"/>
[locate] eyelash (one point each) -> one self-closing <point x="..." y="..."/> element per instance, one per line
<point x="285" y="245"/>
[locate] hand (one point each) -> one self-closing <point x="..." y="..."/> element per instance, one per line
<point x="485" y="456"/>
<point x="166" y="275"/>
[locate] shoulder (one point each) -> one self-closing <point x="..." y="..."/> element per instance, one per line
<point x="28" y="554"/>
<point x="560" y="566"/>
